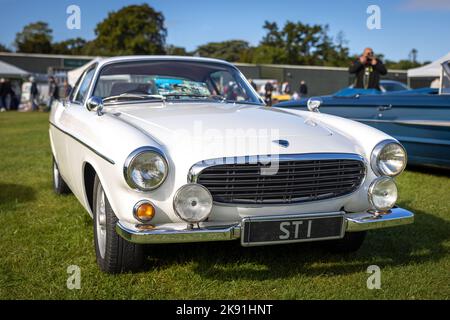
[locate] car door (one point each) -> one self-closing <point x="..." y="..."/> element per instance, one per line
<point x="359" y="108"/>
<point x="73" y="119"/>
<point x="421" y="122"/>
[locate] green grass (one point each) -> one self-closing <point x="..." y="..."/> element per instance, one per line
<point x="41" y="234"/>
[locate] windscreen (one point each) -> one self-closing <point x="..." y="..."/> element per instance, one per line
<point x="173" y="80"/>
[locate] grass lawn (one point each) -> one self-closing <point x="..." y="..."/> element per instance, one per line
<point x="41" y="234"/>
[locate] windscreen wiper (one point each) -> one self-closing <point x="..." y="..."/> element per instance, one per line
<point x="214" y="97"/>
<point x="134" y="96"/>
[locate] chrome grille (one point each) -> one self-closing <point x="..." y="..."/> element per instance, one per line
<point x="296" y="181"/>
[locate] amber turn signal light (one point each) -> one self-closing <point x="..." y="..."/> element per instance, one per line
<point x="144" y="211"/>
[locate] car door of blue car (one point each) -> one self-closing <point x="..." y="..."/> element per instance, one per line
<point x="360" y="108"/>
<point x="421" y="122"/>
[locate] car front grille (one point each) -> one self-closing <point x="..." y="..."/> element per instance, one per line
<point x="296" y="181"/>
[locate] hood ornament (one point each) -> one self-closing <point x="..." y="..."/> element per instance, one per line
<point x="283" y="143"/>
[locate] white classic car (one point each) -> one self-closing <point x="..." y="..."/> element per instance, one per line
<point x="177" y="149"/>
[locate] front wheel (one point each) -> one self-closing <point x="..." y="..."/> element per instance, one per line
<point x="114" y="254"/>
<point x="351" y="242"/>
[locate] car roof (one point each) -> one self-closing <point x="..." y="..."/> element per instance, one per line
<point x="151" y="57"/>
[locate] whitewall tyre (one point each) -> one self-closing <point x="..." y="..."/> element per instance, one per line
<point x="114" y="254"/>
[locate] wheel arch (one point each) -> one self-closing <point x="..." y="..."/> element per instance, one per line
<point x="89" y="174"/>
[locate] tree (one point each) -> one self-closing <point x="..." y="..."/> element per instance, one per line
<point x="299" y="43"/>
<point x="4" y="48"/>
<point x="176" y="51"/>
<point x="413" y="55"/>
<point x="74" y="46"/>
<point x="231" y="50"/>
<point x="134" y="29"/>
<point x="34" y="38"/>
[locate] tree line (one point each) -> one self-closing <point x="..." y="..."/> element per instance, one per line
<point x="139" y="29"/>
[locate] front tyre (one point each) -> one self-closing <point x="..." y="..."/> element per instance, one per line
<point x="114" y="254"/>
<point x="351" y="242"/>
<point x="59" y="185"/>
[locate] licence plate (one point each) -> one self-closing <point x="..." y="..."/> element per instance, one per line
<point x="264" y="231"/>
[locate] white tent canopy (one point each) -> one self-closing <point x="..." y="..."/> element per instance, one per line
<point x="9" y="71"/>
<point x="73" y="75"/>
<point x="431" y="70"/>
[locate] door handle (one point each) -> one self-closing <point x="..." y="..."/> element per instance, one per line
<point x="384" y="108"/>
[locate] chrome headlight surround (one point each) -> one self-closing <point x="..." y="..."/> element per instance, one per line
<point x="387" y="183"/>
<point x="185" y="188"/>
<point x="128" y="167"/>
<point x="377" y="155"/>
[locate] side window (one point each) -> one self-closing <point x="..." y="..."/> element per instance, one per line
<point x="84" y="86"/>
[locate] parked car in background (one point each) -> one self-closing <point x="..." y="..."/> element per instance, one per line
<point x="182" y="149"/>
<point x="277" y="96"/>
<point x="419" y="119"/>
<point x="392" y="85"/>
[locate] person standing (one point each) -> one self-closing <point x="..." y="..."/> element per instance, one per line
<point x="67" y="89"/>
<point x="7" y="95"/>
<point x="2" y="95"/>
<point x="268" y="90"/>
<point x="303" y="90"/>
<point x="53" y="91"/>
<point x="34" y="94"/>
<point x="253" y="84"/>
<point x="368" y="70"/>
<point x="285" y="88"/>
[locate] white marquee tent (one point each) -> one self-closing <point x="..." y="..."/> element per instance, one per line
<point x="431" y="70"/>
<point x="73" y="75"/>
<point x="9" y="71"/>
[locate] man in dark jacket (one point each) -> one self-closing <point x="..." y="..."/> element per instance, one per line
<point x="34" y="94"/>
<point x="53" y="91"/>
<point x="303" y="90"/>
<point x="367" y="69"/>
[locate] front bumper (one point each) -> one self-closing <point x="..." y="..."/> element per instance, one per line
<point x="354" y="222"/>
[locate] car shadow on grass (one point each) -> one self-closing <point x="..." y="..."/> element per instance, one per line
<point x="227" y="261"/>
<point x="11" y="193"/>
<point x="436" y="171"/>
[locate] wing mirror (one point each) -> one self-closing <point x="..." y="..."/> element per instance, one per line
<point x="314" y="104"/>
<point x="95" y="103"/>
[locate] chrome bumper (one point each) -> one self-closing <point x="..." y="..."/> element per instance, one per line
<point x="354" y="222"/>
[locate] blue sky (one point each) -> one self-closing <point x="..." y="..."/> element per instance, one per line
<point x="405" y="24"/>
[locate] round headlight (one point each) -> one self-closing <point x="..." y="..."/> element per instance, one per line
<point x="383" y="193"/>
<point x="193" y="203"/>
<point x="145" y="169"/>
<point x="388" y="158"/>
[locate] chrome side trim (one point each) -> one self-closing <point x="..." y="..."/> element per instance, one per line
<point x="354" y="222"/>
<point x="431" y="123"/>
<point x="83" y="143"/>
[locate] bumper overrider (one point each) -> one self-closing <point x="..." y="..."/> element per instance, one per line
<point x="353" y="222"/>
